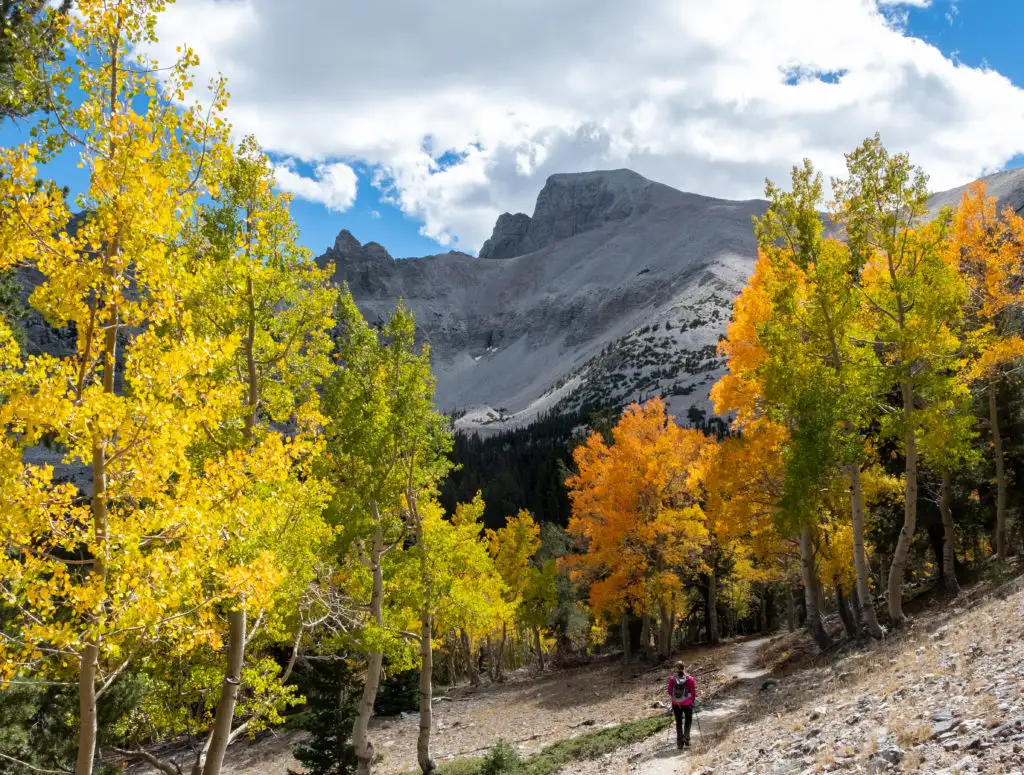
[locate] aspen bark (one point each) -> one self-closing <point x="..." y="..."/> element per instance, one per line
<point x="375" y="661"/>
<point x="472" y="664"/>
<point x="426" y="691"/>
<point x="89" y="658"/>
<point x="814" y="623"/>
<point x="845" y="616"/>
<point x="997" y="443"/>
<point x="865" y="606"/>
<point x="211" y="759"/>
<point x="897" y="570"/>
<point x="948" y="535"/>
<point x="225" y="714"/>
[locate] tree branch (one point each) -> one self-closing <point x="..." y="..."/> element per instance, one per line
<point x="28" y="766"/>
<point x="113" y="676"/>
<point x="151" y="760"/>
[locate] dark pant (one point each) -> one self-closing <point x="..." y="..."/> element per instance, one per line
<point x="683" y="735"/>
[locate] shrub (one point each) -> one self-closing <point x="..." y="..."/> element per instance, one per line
<point x="502" y="759"/>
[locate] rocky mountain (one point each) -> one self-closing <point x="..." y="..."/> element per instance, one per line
<point x="615" y="289"/>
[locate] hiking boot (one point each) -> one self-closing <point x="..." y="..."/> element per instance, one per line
<point x="686" y="742"/>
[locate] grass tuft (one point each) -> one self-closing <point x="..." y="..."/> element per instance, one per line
<point x="556" y="756"/>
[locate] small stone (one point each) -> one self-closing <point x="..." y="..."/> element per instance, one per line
<point x="882" y="760"/>
<point x="966" y="764"/>
<point x="944" y="727"/>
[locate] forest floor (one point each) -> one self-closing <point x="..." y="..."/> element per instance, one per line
<point x="945" y="695"/>
<point x="528" y="710"/>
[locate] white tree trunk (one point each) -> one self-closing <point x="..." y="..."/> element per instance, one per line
<point x="89" y="658"/>
<point x="897" y="570"/>
<point x="426" y="692"/>
<point x="225" y="714"/>
<point x="997" y="444"/>
<point x="866" y="607"/>
<point x="375" y="661"/>
<point x="539" y="646"/>
<point x="810" y="579"/>
<point x="948" y="535"/>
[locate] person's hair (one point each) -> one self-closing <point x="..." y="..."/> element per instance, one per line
<point x="680" y="667"/>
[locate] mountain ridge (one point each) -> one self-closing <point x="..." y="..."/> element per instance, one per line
<point x="615" y="289"/>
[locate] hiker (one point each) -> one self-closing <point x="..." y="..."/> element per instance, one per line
<point x="682" y="689"/>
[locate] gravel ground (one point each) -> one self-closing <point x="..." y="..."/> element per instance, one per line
<point x="528" y="710"/>
<point x="944" y="697"/>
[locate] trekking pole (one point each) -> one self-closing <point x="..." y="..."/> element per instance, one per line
<point x="704" y="743"/>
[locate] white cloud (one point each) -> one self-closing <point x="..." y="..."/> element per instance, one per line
<point x="334" y="185"/>
<point x="688" y="92"/>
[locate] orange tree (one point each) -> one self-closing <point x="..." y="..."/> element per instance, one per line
<point x="635" y="512"/>
<point x="740" y="478"/>
<point x="986" y="248"/>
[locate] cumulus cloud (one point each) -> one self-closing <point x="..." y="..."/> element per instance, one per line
<point x="333" y="185"/>
<point x="460" y="109"/>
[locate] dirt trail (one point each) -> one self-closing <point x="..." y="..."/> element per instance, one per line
<point x="659" y="755"/>
<point x="529" y="711"/>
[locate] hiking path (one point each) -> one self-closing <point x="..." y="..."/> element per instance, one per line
<point x="658" y="755"/>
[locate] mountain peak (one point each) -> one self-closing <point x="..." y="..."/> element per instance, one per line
<point x="570" y="203"/>
<point x="618" y="178"/>
<point x="348" y="248"/>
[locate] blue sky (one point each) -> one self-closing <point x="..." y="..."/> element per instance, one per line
<point x="464" y="116"/>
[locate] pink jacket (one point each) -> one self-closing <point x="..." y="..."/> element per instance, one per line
<point x="690" y="690"/>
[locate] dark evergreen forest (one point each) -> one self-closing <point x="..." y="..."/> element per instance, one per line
<point x="526" y="468"/>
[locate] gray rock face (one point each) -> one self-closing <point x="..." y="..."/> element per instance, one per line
<point x="615" y="289"/>
<point x="507" y="238"/>
<point x="40" y="336"/>
<point x="348" y="248"/>
<point x="623" y="294"/>
<point x="1007" y="187"/>
<point x="572" y="204"/>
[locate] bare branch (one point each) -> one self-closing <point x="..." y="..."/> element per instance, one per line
<point x="28" y="766"/>
<point x="113" y="676"/>
<point x="150" y="759"/>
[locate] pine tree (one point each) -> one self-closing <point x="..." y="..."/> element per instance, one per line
<point x="332" y="694"/>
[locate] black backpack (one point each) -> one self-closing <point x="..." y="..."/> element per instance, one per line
<point x="679" y="688"/>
